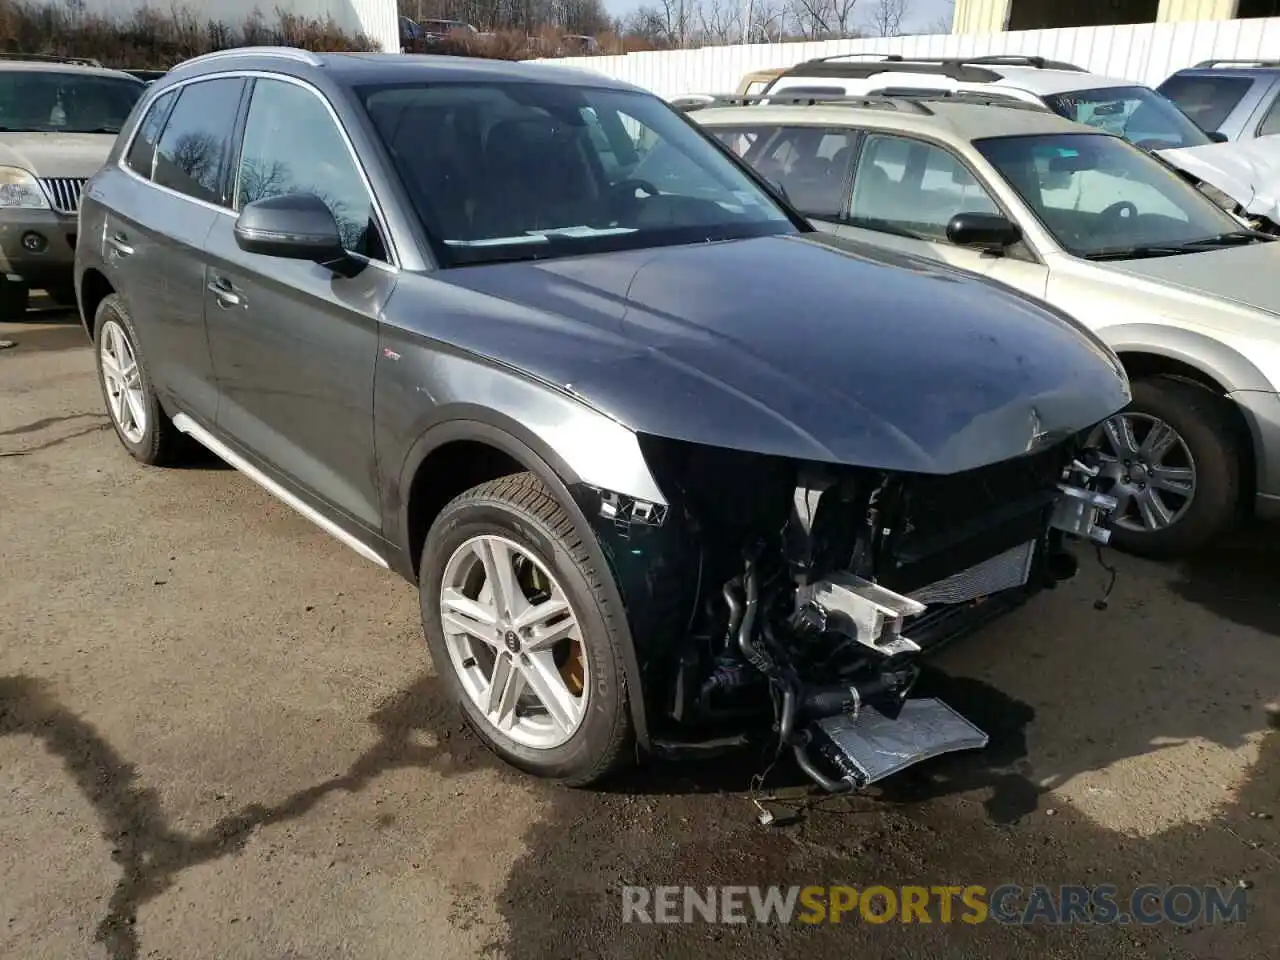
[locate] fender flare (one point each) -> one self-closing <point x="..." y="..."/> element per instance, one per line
<point x="556" y="476"/>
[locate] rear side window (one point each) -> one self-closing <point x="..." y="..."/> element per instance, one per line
<point x="142" y="152"/>
<point x="191" y="156"/>
<point x="1206" y="100"/>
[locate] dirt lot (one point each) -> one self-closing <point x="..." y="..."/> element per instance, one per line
<point x="220" y="736"/>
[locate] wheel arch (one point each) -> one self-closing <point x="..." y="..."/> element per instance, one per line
<point x="94" y="288"/>
<point x="456" y="454"/>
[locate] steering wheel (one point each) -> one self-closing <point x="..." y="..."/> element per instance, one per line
<point x="623" y="194"/>
<point x="1120" y="210"/>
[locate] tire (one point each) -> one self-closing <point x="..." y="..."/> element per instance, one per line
<point x="520" y="510"/>
<point x="158" y="443"/>
<point x="1205" y="425"/>
<point x="13" y="300"/>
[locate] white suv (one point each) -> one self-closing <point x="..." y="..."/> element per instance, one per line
<point x="1131" y="110"/>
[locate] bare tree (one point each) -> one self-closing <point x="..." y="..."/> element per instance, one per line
<point x="810" y="18"/>
<point x="887" y="19"/>
<point x="719" y="22"/>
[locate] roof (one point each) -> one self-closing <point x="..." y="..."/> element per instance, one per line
<point x="1033" y="75"/>
<point x="360" y="68"/>
<point x="8" y="64"/>
<point x="963" y="121"/>
<point x="1232" y="68"/>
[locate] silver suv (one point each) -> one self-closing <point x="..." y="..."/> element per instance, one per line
<point x="58" y="120"/>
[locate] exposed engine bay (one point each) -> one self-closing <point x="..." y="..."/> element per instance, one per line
<point x="815" y="590"/>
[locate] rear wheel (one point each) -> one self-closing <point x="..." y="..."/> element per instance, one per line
<point x="518" y="624"/>
<point x="139" y="420"/>
<point x="1173" y="461"/>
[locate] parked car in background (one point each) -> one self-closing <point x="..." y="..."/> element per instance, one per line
<point x="1238" y="99"/>
<point x="1118" y="106"/>
<point x="1181" y="290"/>
<point x="666" y="463"/>
<point x="434" y="31"/>
<point x="58" y="120"/>
<point x="757" y="81"/>
<point x="578" y="45"/>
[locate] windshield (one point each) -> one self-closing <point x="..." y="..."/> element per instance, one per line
<point x="502" y="171"/>
<point x="50" y="101"/>
<point x="1206" y="100"/>
<point x="1101" y="197"/>
<point x="1136" y="113"/>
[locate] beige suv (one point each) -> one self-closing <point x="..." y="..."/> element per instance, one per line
<point x="58" y="120"/>
<point x="1180" y="289"/>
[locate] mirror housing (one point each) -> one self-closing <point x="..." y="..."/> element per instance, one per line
<point x="295" y="226"/>
<point x="1217" y="136"/>
<point x="990" y="231"/>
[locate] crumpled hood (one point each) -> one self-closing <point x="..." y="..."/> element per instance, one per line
<point x="1247" y="171"/>
<point x="804" y="346"/>
<point x="56" y="154"/>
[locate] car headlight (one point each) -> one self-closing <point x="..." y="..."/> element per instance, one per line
<point x="19" y="189"/>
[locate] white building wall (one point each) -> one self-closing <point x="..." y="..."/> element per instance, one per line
<point x="376" y="19"/>
<point x="1145" y="53"/>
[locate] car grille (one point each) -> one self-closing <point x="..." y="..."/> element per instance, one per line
<point x="63" y="192"/>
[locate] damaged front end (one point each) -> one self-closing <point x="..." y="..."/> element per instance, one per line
<point x="771" y="598"/>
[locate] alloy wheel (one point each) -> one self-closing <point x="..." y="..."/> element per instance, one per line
<point x="123" y="380"/>
<point x="514" y="641"/>
<point x="1151" y="469"/>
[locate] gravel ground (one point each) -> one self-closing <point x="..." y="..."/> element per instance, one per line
<point x="221" y="736"/>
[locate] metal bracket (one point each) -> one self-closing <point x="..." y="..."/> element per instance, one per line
<point x="870" y="613"/>
<point x="1080" y="511"/>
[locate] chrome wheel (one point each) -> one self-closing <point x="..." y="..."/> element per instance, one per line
<point x="514" y="642"/>
<point x="1151" y="469"/>
<point x="123" y="381"/>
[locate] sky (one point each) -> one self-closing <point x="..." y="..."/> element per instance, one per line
<point x="920" y="13"/>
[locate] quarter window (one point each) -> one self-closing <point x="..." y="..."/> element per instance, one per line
<point x="1270" y="125"/>
<point x="292" y="145"/>
<point x="191" y="156"/>
<point x="142" y="152"/>
<point x="913" y="188"/>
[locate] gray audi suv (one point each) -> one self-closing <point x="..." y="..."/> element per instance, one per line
<point x="671" y="471"/>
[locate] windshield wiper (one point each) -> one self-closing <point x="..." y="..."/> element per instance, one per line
<point x="95" y="130"/>
<point x="1136" y="253"/>
<point x="1232" y="238"/>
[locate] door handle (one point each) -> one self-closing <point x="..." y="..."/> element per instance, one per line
<point x="120" y="244"/>
<point x="222" y="290"/>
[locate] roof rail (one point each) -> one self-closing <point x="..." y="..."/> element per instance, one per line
<point x="971" y="69"/>
<point x="1236" y="63"/>
<point x="47" y="58"/>
<point x="1021" y="60"/>
<point x="976" y="97"/>
<point x="286" y="53"/>
<point x="871" y="101"/>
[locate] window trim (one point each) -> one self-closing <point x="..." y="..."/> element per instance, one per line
<point x="1024" y="251"/>
<point x="164" y="122"/>
<point x="237" y="143"/>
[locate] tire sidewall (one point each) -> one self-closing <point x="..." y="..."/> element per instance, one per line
<point x="112" y="310"/>
<point x="584" y="750"/>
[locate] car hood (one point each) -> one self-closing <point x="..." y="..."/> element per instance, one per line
<point x="56" y="154"/>
<point x="1246" y="171"/>
<point x="802" y="346"/>
<point x="1245" y="276"/>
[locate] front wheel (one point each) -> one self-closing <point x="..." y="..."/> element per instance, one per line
<point x="518" y="624"/>
<point x="1172" y="461"/>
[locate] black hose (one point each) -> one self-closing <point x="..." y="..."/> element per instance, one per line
<point x="748" y="622"/>
<point x="818" y="777"/>
<point x="735" y="609"/>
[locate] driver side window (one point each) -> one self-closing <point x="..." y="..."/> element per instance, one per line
<point x="914" y="188"/>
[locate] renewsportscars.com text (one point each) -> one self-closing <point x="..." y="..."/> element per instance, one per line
<point x="973" y="904"/>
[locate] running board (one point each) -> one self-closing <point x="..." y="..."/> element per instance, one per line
<point x="870" y="746"/>
<point x="184" y="424"/>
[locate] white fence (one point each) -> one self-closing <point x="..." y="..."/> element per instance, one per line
<point x="1146" y="52"/>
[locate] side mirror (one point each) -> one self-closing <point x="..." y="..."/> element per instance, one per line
<point x="989" y="231"/>
<point x="1217" y="136"/>
<point x="296" y="226"/>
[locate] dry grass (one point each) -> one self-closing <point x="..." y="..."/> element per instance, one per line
<point x="153" y="40"/>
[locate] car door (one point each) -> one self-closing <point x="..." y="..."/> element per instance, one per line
<point x="163" y="201"/>
<point x="293" y="343"/>
<point x="905" y="192"/>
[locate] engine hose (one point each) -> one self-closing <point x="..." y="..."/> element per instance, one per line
<point x="735" y="609"/>
<point x="818" y="777"/>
